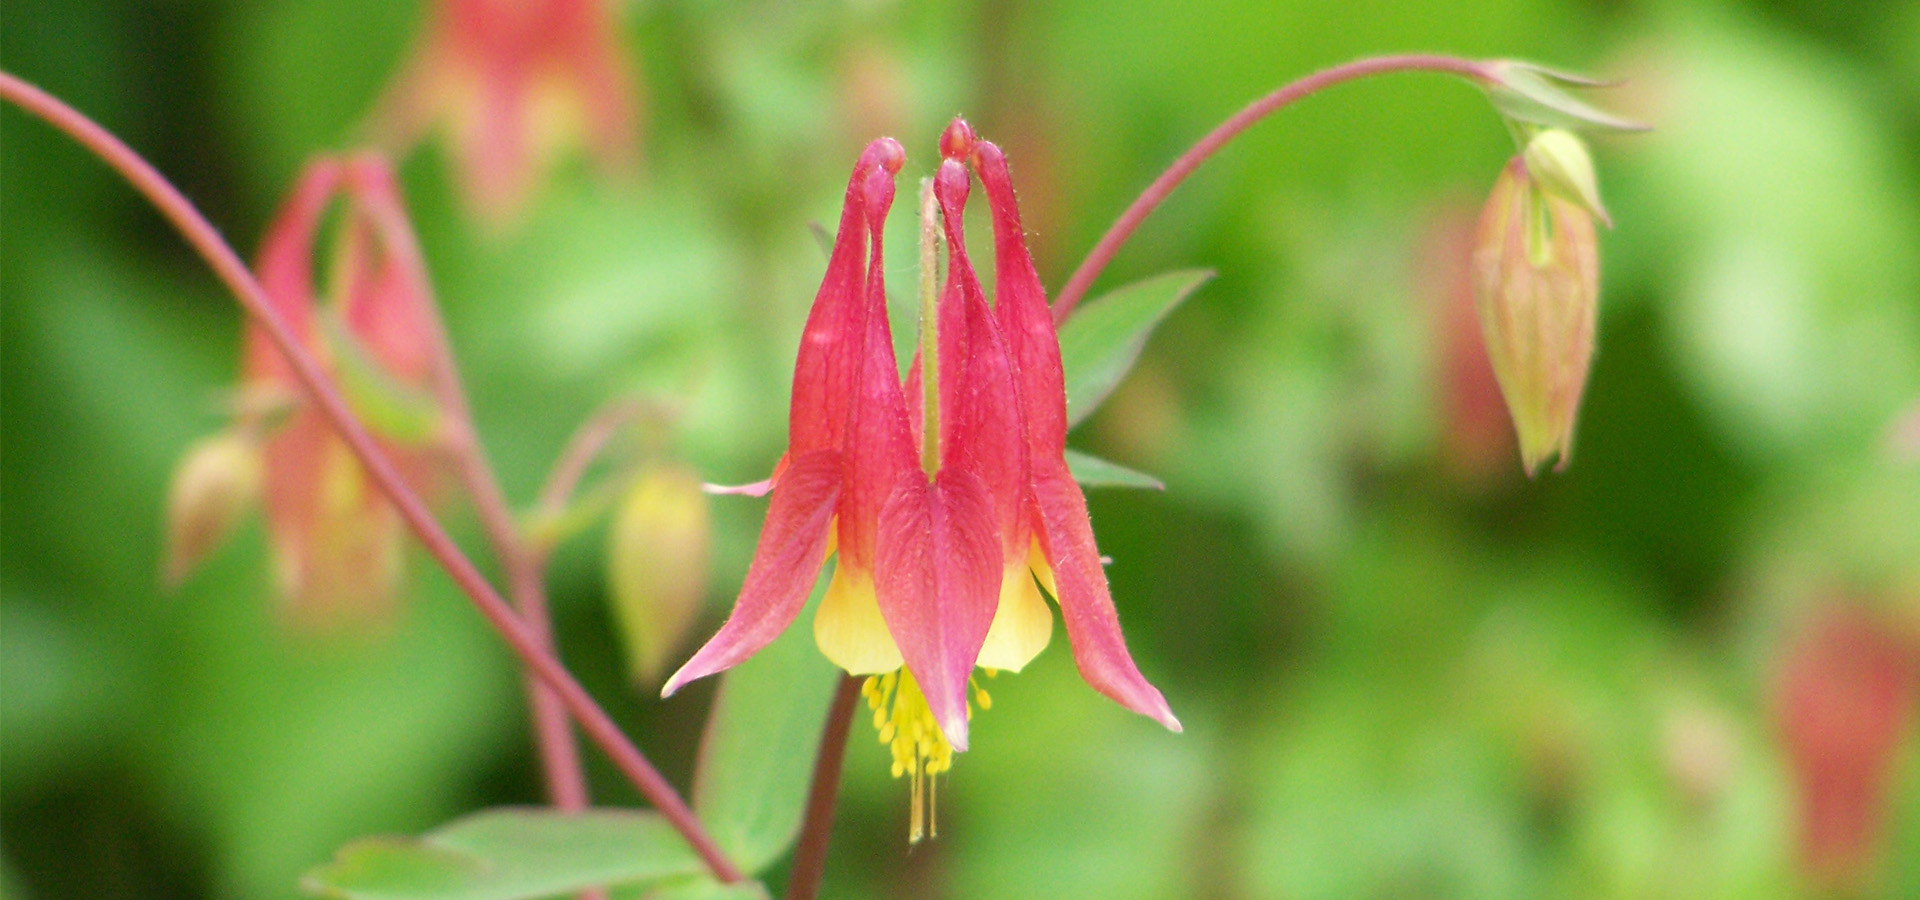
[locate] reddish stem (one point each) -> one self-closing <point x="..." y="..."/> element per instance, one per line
<point x="810" y="857"/>
<point x="586" y="445"/>
<point x="524" y="641"/>
<point x="524" y="569"/>
<point x="1129" y="221"/>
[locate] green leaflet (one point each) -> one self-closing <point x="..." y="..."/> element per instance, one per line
<point x="508" y="854"/>
<point x="1102" y="340"/>
<point x="1092" y="471"/>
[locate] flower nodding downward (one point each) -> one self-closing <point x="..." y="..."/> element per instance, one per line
<point x="941" y="545"/>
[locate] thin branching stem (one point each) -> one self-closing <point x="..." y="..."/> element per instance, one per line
<point x="523" y="568"/>
<point x="1144" y="205"/>
<point x="586" y="445"/>
<point x="524" y="641"/>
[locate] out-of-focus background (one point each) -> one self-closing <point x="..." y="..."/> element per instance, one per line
<point x="1687" y="666"/>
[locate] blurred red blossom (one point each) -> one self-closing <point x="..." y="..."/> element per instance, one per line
<point x="514" y="83"/>
<point x="1844" y="701"/>
<point x="336" y="540"/>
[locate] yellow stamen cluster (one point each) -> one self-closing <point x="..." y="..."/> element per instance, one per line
<point x="920" y="749"/>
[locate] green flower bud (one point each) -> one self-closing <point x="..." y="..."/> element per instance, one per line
<point x="657" y="565"/>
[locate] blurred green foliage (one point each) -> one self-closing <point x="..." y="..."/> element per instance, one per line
<point x="1402" y="676"/>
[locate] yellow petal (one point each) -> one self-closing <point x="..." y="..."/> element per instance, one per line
<point x="849" y="628"/>
<point x="1021" y="626"/>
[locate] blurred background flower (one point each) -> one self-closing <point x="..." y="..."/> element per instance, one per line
<point x="1394" y="683"/>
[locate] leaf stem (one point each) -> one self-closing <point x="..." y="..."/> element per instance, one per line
<point x="522" y="638"/>
<point x="1144" y="205"/>
<point x="810" y="856"/>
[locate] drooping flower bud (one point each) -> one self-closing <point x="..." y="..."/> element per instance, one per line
<point x="216" y="483"/>
<point x="1536" y="278"/>
<point x="657" y="555"/>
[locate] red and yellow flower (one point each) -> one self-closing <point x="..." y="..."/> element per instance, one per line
<point x="946" y="502"/>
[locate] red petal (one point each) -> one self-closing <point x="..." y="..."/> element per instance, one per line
<point x="937" y="577"/>
<point x="1062" y="524"/>
<point x="285" y="268"/>
<point x="879" y="439"/>
<point x="1021" y="304"/>
<point x="829" y="358"/>
<point x="785" y="566"/>
<point x="1086" y="605"/>
<point x="823" y="371"/>
<point x="383" y="291"/>
<point x="983" y="429"/>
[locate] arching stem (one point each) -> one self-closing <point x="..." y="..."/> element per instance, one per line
<point x="1144" y="205"/>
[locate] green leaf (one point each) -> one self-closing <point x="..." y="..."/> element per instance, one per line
<point x="1102" y="339"/>
<point x="509" y="854"/>
<point x="756" y="758"/>
<point x="697" y="889"/>
<point x="1092" y="471"/>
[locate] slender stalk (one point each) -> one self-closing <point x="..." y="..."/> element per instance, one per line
<point x="810" y="857"/>
<point x="227" y="265"/>
<point x="526" y="583"/>
<point x="588" y="441"/>
<point x="1144" y="205"/>
<point x="523" y="568"/>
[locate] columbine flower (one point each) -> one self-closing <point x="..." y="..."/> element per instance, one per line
<point x="514" y="82"/>
<point x="336" y="539"/>
<point x="941" y="552"/>
<point x="1536" y="274"/>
